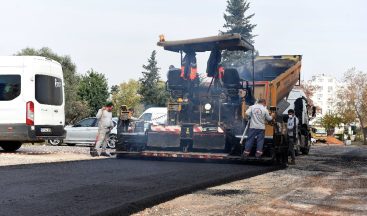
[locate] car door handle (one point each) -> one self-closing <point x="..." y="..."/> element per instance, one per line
<point x="56" y="111"/>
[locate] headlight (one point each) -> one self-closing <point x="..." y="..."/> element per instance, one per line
<point x="207" y="106"/>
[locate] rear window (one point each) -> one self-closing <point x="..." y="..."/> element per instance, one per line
<point x="49" y="90"/>
<point x="9" y="87"/>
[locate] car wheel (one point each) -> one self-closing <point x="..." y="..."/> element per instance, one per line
<point x="112" y="139"/>
<point x="10" y="146"/>
<point x="55" y="142"/>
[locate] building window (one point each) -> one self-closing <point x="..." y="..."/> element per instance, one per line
<point x="330" y="80"/>
<point x="321" y="80"/>
<point x="330" y="89"/>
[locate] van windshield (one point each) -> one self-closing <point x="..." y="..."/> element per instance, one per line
<point x="320" y="131"/>
<point x="9" y="87"/>
<point x="146" y="117"/>
<point x="49" y="90"/>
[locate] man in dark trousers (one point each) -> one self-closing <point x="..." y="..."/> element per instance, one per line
<point x="292" y="131"/>
<point x="258" y="116"/>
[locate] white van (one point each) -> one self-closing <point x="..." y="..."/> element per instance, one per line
<point x="31" y="100"/>
<point x="155" y="115"/>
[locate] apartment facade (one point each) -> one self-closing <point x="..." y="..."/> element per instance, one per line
<point x="325" y="95"/>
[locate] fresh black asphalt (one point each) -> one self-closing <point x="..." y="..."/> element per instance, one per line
<point x="108" y="187"/>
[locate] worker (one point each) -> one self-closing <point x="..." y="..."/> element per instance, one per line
<point x="124" y="118"/>
<point x="105" y="125"/>
<point x="189" y="69"/>
<point x="292" y="132"/>
<point x="258" y="115"/>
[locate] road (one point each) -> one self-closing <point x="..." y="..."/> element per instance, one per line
<point x="107" y="186"/>
<point x="332" y="180"/>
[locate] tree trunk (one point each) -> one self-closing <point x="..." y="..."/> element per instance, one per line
<point x="362" y="125"/>
<point x="364" y="131"/>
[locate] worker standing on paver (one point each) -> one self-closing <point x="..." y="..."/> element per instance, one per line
<point x="292" y="134"/>
<point x="258" y="116"/>
<point x="105" y="124"/>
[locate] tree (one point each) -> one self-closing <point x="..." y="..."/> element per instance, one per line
<point x="114" y="89"/>
<point x="75" y="108"/>
<point x="151" y="88"/>
<point x="309" y="91"/>
<point x="330" y="121"/>
<point x="237" y="21"/>
<point x="127" y="94"/>
<point x="93" y="88"/>
<point x="352" y="103"/>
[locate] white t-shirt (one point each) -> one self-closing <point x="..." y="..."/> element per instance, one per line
<point x="290" y="125"/>
<point x="105" y="119"/>
<point x="258" y="114"/>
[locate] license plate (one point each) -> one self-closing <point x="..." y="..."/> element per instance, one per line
<point x="45" y="130"/>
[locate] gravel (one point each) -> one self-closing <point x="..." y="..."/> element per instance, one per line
<point x="41" y="153"/>
<point x="332" y="180"/>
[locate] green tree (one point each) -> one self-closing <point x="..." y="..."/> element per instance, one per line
<point x="93" y="88"/>
<point x="238" y="21"/>
<point x="127" y="94"/>
<point x="330" y="121"/>
<point x="151" y="88"/>
<point x="114" y="89"/>
<point x="75" y="108"/>
<point x="352" y="103"/>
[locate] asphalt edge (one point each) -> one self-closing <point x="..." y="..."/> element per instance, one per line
<point x="149" y="201"/>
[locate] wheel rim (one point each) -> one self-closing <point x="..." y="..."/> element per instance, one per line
<point x="112" y="141"/>
<point x="54" y="142"/>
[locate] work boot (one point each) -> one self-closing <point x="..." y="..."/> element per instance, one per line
<point x="106" y="154"/>
<point x="244" y="155"/>
<point x="293" y="162"/>
<point x="93" y="152"/>
<point x="258" y="154"/>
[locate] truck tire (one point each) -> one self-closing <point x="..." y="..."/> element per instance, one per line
<point x="10" y="146"/>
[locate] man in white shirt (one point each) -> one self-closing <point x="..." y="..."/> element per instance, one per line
<point x="292" y="131"/>
<point x="258" y="116"/>
<point x="105" y="124"/>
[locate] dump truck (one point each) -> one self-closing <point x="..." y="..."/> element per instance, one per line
<point x="206" y="119"/>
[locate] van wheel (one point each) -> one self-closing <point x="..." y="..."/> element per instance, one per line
<point x="55" y="142"/>
<point x="11" y="146"/>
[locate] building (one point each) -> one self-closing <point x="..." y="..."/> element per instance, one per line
<point x="325" y="95"/>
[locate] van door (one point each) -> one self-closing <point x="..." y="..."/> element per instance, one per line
<point x="49" y="98"/>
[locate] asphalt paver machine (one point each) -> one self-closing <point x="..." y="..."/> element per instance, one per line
<point x="206" y="113"/>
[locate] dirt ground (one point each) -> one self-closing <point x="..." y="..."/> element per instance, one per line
<point x="332" y="180"/>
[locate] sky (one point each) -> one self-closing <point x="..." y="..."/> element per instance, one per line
<point x="116" y="37"/>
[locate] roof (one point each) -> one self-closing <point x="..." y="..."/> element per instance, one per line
<point x="221" y="42"/>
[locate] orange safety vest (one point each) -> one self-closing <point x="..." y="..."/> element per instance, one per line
<point x="221" y="72"/>
<point x="193" y="73"/>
